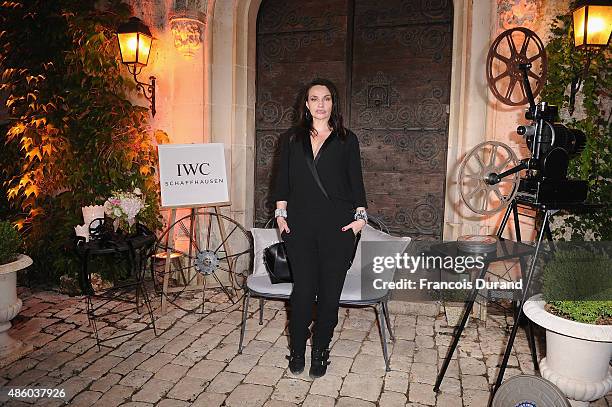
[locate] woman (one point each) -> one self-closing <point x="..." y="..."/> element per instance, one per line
<point x="320" y="208"/>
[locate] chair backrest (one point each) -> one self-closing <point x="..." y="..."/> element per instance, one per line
<point x="375" y="221"/>
<point x="370" y="234"/>
<point x="262" y="238"/>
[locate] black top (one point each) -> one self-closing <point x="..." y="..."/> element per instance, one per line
<point x="338" y="163"/>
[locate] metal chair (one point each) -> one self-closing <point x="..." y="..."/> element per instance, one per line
<point x="258" y="283"/>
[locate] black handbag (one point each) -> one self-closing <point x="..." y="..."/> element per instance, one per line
<point x="277" y="263"/>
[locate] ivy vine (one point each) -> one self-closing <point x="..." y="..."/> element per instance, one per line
<point x="592" y="116"/>
<point x="72" y="136"/>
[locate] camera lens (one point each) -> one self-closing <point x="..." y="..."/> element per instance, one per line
<point x="525" y="130"/>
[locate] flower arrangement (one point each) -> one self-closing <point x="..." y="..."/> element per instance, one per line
<point x="124" y="207"/>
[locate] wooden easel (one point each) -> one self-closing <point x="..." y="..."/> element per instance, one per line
<point x="195" y="230"/>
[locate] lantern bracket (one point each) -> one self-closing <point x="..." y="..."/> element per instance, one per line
<point x="147" y="89"/>
<point x="134" y="63"/>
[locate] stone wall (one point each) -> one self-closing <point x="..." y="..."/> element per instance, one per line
<point x="177" y="61"/>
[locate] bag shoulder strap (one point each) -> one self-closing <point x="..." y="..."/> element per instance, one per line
<point x="311" y="165"/>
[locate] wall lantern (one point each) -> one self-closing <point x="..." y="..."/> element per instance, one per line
<point x="592" y="29"/>
<point x="135" y="41"/>
<point x="592" y="24"/>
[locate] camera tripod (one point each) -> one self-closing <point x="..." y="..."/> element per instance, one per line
<point x="507" y="249"/>
<point x="547" y="210"/>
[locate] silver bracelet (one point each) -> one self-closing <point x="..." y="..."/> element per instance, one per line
<point x="361" y="215"/>
<point x="280" y="212"/>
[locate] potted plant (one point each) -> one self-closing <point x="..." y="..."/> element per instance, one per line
<point x="576" y="311"/>
<point x="10" y="305"/>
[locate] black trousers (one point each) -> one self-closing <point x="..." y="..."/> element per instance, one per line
<point x="320" y="254"/>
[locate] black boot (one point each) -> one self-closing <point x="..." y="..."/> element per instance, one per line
<point x="297" y="360"/>
<point x="319" y="362"/>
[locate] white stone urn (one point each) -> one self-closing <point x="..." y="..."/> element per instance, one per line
<point x="10" y="348"/>
<point x="577" y="354"/>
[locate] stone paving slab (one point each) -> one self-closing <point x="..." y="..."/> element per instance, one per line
<point x="194" y="361"/>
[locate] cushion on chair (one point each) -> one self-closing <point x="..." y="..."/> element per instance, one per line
<point x="263" y="285"/>
<point x="370" y="234"/>
<point x="352" y="289"/>
<point x="262" y="238"/>
<point x="259" y="280"/>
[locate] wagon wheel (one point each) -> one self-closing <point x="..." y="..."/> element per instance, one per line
<point x="203" y="245"/>
<point x="503" y="74"/>
<point x="484" y="159"/>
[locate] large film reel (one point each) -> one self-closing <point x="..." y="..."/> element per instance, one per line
<point x="512" y="62"/>
<point x="529" y="391"/>
<point x="484" y="159"/>
<point x="513" y="47"/>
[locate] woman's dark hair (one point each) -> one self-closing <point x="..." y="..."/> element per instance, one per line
<point x="335" y="119"/>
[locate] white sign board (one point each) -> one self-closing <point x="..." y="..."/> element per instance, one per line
<point x="192" y="174"/>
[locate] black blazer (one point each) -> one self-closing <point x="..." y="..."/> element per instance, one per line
<point x="338" y="164"/>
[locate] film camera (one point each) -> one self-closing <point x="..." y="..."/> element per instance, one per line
<point x="489" y="175"/>
<point x="552" y="145"/>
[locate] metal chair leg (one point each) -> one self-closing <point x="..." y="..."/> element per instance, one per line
<point x="261" y="305"/>
<point x="245" y="309"/>
<point x="383" y="339"/>
<point x="385" y="308"/>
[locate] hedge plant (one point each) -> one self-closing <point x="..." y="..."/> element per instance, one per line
<point x="578" y="286"/>
<point x="10" y="243"/>
<point x="77" y="135"/>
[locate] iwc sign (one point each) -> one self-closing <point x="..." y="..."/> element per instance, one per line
<point x="192" y="174"/>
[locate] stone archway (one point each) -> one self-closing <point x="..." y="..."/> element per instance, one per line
<point x="230" y="103"/>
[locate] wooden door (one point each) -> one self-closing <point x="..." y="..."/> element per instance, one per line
<point x="391" y="59"/>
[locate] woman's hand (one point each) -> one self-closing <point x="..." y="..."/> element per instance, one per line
<point x="356" y="225"/>
<point x="282" y="225"/>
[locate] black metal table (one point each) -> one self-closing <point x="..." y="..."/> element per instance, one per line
<point x="134" y="249"/>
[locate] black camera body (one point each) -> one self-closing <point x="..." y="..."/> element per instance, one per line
<point x="552" y="145"/>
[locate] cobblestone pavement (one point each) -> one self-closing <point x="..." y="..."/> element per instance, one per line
<point x="194" y="360"/>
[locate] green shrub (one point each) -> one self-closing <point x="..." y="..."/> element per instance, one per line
<point x="589" y="312"/>
<point x="578" y="286"/>
<point x="10" y="243"/>
<point x="73" y="136"/>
